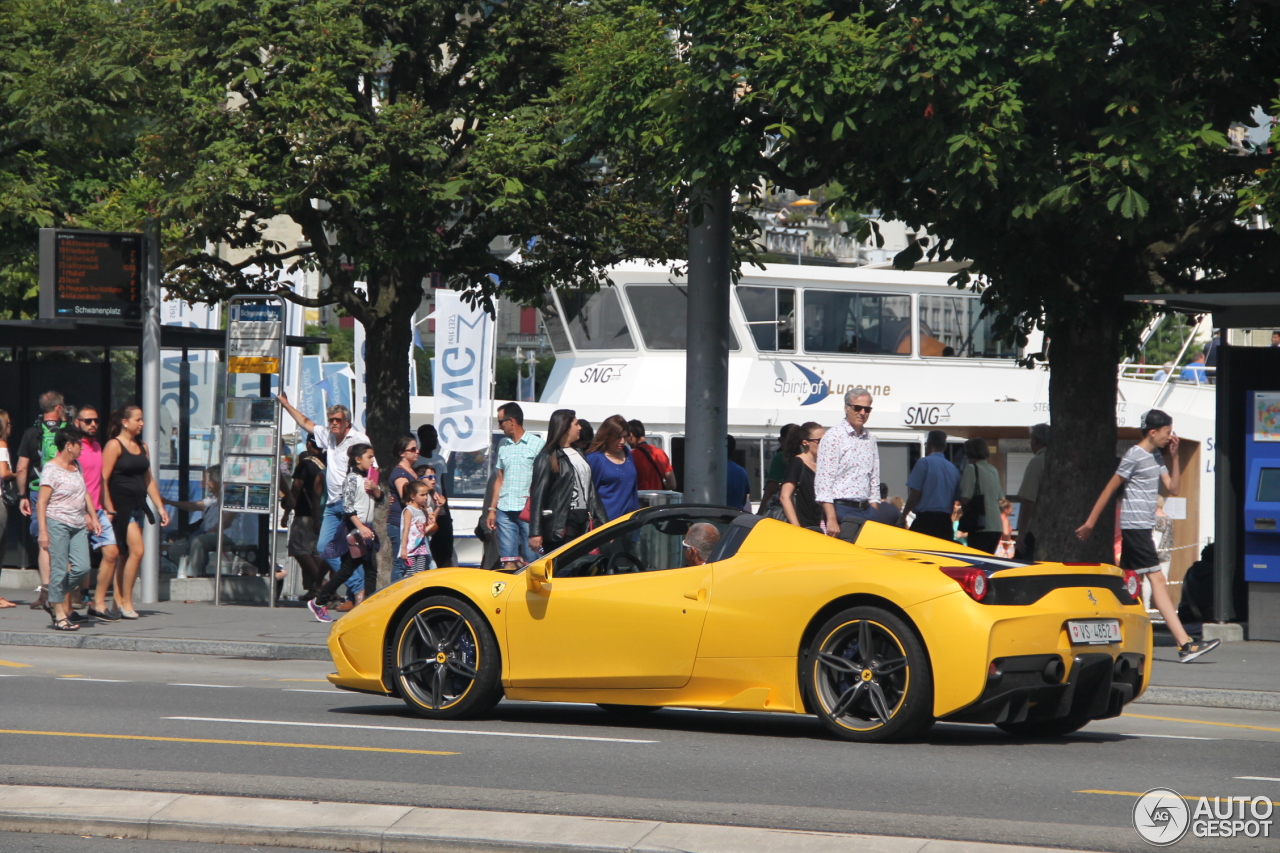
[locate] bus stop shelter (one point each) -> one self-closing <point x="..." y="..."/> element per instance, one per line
<point x="98" y="362"/>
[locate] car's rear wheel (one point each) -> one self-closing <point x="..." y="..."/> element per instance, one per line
<point x="868" y="677"/>
<point x="1045" y="728"/>
<point x="446" y="660"/>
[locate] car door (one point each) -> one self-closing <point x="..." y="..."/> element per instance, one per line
<point x="597" y="623"/>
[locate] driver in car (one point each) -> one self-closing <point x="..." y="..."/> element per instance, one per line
<point x="699" y="542"/>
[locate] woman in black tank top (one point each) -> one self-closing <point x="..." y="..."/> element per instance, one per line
<point x="127" y="483"/>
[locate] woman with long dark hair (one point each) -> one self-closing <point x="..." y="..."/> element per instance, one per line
<point x="563" y="503"/>
<point x="406" y="451"/>
<point x="612" y="471"/>
<point x="359" y="494"/>
<point x="126" y="485"/>
<point x="798" y="502"/>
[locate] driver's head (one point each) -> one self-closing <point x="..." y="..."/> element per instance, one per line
<point x="700" y="541"/>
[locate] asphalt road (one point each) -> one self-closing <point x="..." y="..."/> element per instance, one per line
<point x="277" y="729"/>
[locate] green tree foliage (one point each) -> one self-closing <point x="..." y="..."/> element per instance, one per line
<point x="1074" y="151"/>
<point x="70" y="112"/>
<point x="402" y="137"/>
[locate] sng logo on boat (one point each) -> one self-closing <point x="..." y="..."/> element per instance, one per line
<point x="812" y="387"/>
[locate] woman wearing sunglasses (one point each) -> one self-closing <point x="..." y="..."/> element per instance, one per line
<point x="406" y="450"/>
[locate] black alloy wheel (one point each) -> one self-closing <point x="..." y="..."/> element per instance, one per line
<point x="868" y="677"/>
<point x="1045" y="728"/>
<point x="446" y="660"/>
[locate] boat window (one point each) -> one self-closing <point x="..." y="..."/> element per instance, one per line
<point x="954" y="326"/>
<point x="771" y="317"/>
<point x="595" y="319"/>
<point x="661" y="312"/>
<point x="866" y="323"/>
<point x="551" y="321"/>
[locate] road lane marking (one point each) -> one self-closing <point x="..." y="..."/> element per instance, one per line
<point x="310" y="690"/>
<point x="82" y="678"/>
<point x="409" y="729"/>
<point x="1203" y="722"/>
<point x="1172" y="737"/>
<point x="227" y="686"/>
<point x="227" y="742"/>
<point x="318" y="680"/>
<point x="14" y="664"/>
<point x="1259" y="778"/>
<point x="1140" y="793"/>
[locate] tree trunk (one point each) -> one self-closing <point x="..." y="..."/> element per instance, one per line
<point x="1083" y="356"/>
<point x="388" y="337"/>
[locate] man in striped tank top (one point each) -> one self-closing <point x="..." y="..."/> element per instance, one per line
<point x="1142" y="473"/>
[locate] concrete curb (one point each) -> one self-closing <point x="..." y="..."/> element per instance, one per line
<point x="404" y="829"/>
<point x="1209" y="697"/>
<point x="126" y="643"/>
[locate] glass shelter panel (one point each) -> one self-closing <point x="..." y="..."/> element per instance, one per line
<point x="771" y="316"/>
<point x="595" y="320"/>
<point x="863" y="323"/>
<point x="954" y="326"/>
<point x="661" y="312"/>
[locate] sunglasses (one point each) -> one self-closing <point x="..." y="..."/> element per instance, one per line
<point x="88" y="420"/>
<point x="861" y="409"/>
<point x="427" y="477"/>
<point x="337" y="420"/>
<point x="411" y="450"/>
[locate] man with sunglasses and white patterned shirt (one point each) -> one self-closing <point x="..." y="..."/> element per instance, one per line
<point x="847" y="480"/>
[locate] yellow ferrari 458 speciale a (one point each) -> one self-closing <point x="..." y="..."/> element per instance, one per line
<point x="878" y="638"/>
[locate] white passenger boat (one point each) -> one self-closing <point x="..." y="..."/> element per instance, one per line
<point x="802" y="335"/>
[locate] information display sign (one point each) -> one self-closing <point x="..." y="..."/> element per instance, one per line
<point x="255" y="337"/>
<point x="90" y="274"/>
<point x="251" y="425"/>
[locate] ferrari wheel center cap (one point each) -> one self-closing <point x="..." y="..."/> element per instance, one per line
<point x="441" y="657"/>
<point x="866" y="675"/>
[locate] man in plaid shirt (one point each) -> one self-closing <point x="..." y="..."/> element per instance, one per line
<point x="512" y="479"/>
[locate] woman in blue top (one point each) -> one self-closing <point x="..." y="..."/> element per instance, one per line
<point x="612" y="471"/>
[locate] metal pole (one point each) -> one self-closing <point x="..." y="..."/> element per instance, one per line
<point x="150" y="574"/>
<point x="1227" y="506"/>
<point x="706" y="396"/>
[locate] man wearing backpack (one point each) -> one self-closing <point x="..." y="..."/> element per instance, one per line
<point x="653" y="468"/>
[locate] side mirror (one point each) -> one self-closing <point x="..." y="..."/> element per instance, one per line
<point x="539" y="574"/>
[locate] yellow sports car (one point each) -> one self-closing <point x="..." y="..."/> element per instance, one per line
<point x="709" y="607"/>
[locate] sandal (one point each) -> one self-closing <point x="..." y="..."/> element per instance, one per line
<point x="65" y="625"/>
<point x="5" y="604"/>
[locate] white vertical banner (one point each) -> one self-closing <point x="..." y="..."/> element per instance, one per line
<point x="463" y="364"/>
<point x="358" y="403"/>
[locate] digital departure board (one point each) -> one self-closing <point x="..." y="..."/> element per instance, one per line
<point x="90" y="275"/>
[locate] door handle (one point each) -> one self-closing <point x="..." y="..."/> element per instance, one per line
<point x="696" y="595"/>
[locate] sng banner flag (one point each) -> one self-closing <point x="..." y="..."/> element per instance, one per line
<point x="464" y="354"/>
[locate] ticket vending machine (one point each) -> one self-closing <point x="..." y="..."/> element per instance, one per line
<point x="1262" y="508"/>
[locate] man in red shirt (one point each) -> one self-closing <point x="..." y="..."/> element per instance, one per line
<point x="653" y="468"/>
<point x="89" y="422"/>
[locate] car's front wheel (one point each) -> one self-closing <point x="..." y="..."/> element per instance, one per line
<point x="446" y="660"/>
<point x="868" y="677"/>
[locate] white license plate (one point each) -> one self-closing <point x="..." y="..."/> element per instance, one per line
<point x="1095" y="633"/>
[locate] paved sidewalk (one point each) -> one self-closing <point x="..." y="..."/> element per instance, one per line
<point x="289" y="632"/>
<point x="1236" y="675"/>
<point x="405" y="829"/>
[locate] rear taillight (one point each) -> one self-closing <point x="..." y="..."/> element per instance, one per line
<point x="971" y="580"/>
<point x="1131" y="583"/>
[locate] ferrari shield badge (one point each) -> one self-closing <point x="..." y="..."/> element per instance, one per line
<point x="497" y="588"/>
